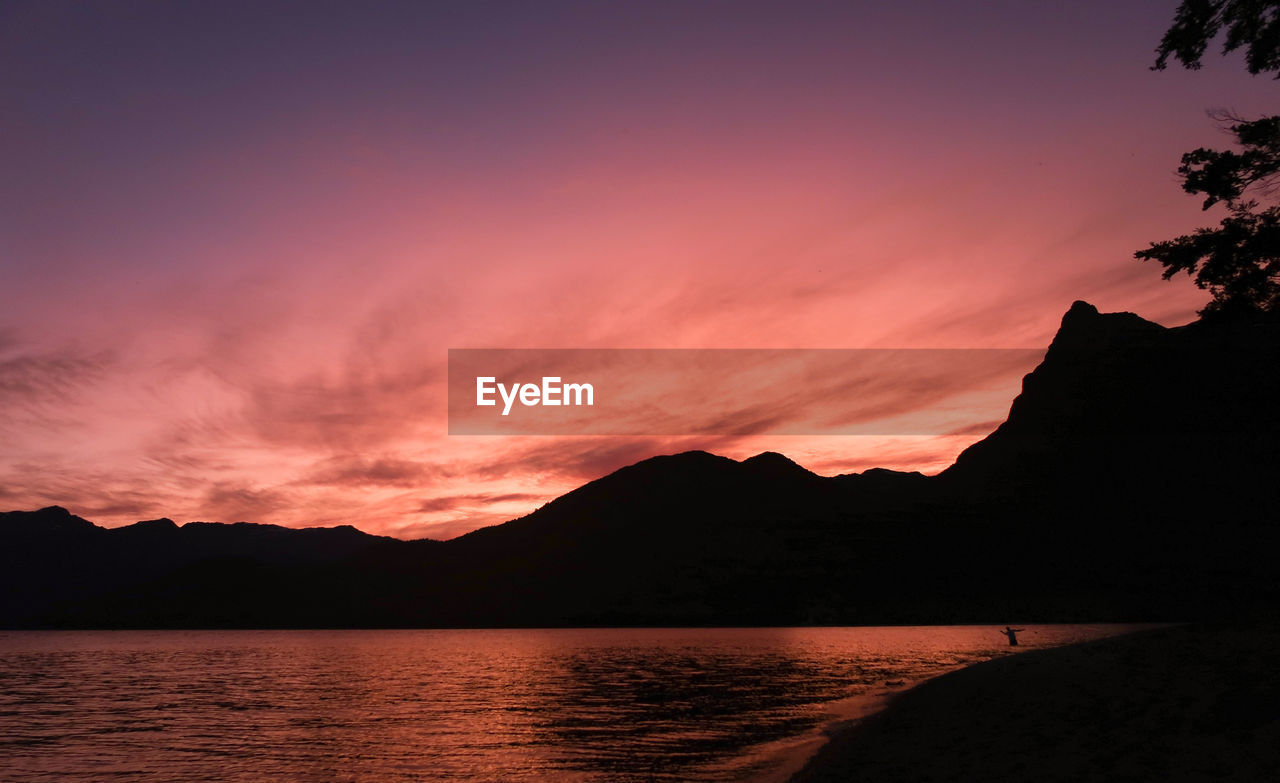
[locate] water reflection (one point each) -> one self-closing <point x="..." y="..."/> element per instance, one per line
<point x="618" y="705"/>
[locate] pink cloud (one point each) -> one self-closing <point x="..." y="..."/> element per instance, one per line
<point x="232" y="296"/>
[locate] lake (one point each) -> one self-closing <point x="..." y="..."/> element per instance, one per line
<point x="457" y="705"/>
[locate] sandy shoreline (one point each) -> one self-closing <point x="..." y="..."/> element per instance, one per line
<point x="796" y="754"/>
<point x="1171" y="704"/>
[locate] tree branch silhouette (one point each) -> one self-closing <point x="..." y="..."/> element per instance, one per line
<point x="1238" y="262"/>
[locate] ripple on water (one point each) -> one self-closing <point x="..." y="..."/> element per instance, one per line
<point x="586" y="705"/>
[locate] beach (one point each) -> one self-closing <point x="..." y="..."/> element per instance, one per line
<point x="1185" y="703"/>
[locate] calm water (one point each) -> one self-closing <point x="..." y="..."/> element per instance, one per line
<point x="587" y="705"/>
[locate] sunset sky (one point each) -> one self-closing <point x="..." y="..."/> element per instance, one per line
<point x="237" y="240"/>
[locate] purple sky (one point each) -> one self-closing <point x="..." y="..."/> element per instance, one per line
<point x="238" y="239"/>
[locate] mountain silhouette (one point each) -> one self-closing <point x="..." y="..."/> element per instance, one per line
<point x="1134" y="479"/>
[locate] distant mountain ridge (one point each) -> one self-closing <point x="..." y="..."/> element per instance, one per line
<point x="1134" y="479"/>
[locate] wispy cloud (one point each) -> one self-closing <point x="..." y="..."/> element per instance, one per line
<point x="40" y="379"/>
<point x="251" y="321"/>
<point x="478" y="501"/>
<point x="358" y="471"/>
<point x="227" y="500"/>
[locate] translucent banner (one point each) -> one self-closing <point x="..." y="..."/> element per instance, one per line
<point x="670" y="392"/>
